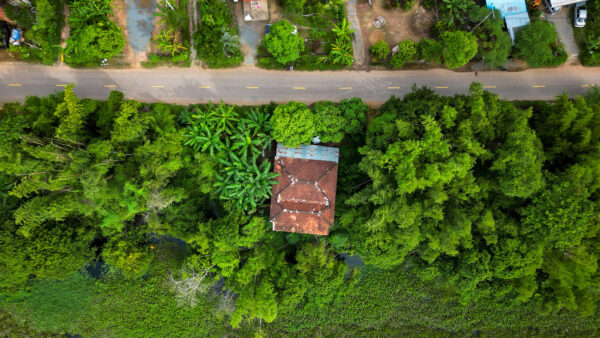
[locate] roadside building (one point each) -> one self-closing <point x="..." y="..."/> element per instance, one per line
<point x="256" y="10"/>
<point x="304" y="199"/>
<point x="514" y="13"/>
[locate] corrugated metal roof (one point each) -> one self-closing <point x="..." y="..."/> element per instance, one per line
<point x="556" y="3"/>
<point x="516" y="22"/>
<point x="304" y="199"/>
<point x="309" y="152"/>
<point x="507" y="7"/>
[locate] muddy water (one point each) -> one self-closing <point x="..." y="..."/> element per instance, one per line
<point x="139" y="23"/>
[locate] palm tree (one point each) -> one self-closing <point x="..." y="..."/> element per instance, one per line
<point x="341" y="53"/>
<point x="203" y="138"/>
<point x="231" y="43"/>
<point x="223" y="116"/>
<point x="166" y="42"/>
<point x="258" y="120"/>
<point x="171" y="15"/>
<point x="244" y="182"/>
<point x="343" y="31"/>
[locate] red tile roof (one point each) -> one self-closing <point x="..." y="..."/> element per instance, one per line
<point x="304" y="199"/>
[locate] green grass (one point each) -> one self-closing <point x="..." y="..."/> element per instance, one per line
<point x="388" y="303"/>
<point x="383" y="303"/>
<point x="154" y="60"/>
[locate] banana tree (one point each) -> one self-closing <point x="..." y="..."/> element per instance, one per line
<point x="244" y="182"/>
<point x="203" y="138"/>
<point x="223" y="116"/>
<point x="248" y="142"/>
<point x="258" y="121"/>
<point x="341" y="53"/>
<point x="166" y="41"/>
<point x="343" y="31"/>
<point x="171" y="15"/>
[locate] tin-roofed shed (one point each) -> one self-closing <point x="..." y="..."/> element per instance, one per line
<point x="304" y="199"/>
<point x="514" y="13"/>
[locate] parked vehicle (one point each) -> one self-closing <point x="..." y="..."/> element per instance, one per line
<point x="580" y="14"/>
<point x="15" y="37"/>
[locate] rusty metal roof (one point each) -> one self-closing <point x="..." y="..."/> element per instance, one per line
<point x="304" y="199"/>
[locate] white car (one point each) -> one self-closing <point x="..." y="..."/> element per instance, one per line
<point x="580" y="14"/>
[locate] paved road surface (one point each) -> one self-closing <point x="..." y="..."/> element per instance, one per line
<point x="251" y="85"/>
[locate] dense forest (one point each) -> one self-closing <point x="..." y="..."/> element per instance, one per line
<point x="462" y="214"/>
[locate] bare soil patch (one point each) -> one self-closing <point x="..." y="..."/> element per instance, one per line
<point x="274" y="11"/>
<point x="413" y="24"/>
<point x="119" y="17"/>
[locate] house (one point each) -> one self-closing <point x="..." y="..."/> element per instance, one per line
<point x="514" y="13"/>
<point x="304" y="199"/>
<point x="256" y="10"/>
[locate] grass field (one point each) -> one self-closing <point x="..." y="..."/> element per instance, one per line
<point x="383" y="303"/>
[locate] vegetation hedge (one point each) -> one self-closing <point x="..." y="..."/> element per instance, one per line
<point x="470" y="214"/>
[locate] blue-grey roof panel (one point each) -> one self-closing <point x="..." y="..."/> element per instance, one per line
<point x="309" y="152"/>
<point x="507" y="7"/>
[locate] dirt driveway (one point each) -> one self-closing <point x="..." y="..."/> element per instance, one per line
<point x="413" y="24"/>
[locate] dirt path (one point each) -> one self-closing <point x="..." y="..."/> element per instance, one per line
<point x="120" y="18"/>
<point x="357" y="42"/>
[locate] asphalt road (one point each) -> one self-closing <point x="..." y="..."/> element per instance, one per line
<point x="251" y="85"/>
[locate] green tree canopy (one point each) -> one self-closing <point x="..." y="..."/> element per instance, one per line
<point x="538" y="44"/>
<point x="283" y="42"/>
<point x="459" y="48"/>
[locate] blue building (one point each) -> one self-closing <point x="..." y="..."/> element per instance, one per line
<point x="514" y="13"/>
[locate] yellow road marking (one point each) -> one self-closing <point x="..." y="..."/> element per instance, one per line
<point x="539" y="86"/>
<point x="205" y="87"/>
<point x="393" y="87"/>
<point x="110" y="86"/>
<point x="299" y="88"/>
<point x="489" y="86"/>
<point x="251" y="87"/>
<point x="588" y="85"/>
<point x="345" y="88"/>
<point x="158" y="86"/>
<point x="441" y="87"/>
<point x="14" y="85"/>
<point x="61" y="85"/>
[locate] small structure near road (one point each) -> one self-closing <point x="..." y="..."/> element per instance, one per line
<point x="256" y="10"/>
<point x="379" y="22"/>
<point x="514" y="13"/>
<point x="304" y="199"/>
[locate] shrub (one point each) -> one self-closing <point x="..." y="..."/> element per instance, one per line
<point x="44" y="34"/>
<point x="431" y="50"/>
<point x="459" y="48"/>
<point x="293" y="124"/>
<point x="216" y="43"/>
<point x="538" y="45"/>
<point x="380" y="50"/>
<point x="93" y="36"/>
<point x="283" y="43"/>
<point x="407" y="50"/>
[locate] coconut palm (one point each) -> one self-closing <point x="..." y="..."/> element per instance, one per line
<point x="231" y="43"/>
